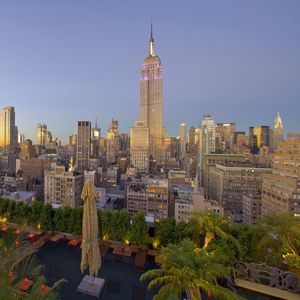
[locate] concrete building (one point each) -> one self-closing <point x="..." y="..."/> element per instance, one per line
<point x="113" y="142"/>
<point x="139" y="147"/>
<point x="8" y="137"/>
<point x="211" y="160"/>
<point x="176" y="176"/>
<point x="229" y="183"/>
<point x="95" y="141"/>
<point x="224" y="137"/>
<point x="192" y="146"/>
<point x="83" y="145"/>
<point x="43" y="136"/>
<point x="150" y="196"/>
<point x="151" y="102"/>
<point x="137" y="197"/>
<point x="158" y="198"/>
<point x="240" y="143"/>
<point x="207" y="139"/>
<point x="281" y="188"/>
<point x="27" y="150"/>
<point x="186" y="207"/>
<point x="259" y="137"/>
<point x="63" y="188"/>
<point x="251" y="208"/>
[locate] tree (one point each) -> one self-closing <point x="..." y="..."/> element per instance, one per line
<point x="138" y="230"/>
<point x="185" y="267"/>
<point x="36" y="210"/>
<point x="75" y="220"/>
<point x="280" y="236"/>
<point x="283" y="229"/>
<point x="212" y="226"/>
<point x="165" y="231"/>
<point x="106" y="224"/>
<point x="46" y="217"/>
<point x="119" y="224"/>
<point x="17" y="262"/>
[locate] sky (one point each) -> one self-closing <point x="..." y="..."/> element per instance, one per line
<point x="62" y="61"/>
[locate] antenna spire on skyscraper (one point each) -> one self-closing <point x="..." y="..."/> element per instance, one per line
<point x="151" y="42"/>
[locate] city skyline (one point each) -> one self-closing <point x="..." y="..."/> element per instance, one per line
<point x="216" y="67"/>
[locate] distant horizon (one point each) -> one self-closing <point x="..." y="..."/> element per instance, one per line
<point x="65" y="62"/>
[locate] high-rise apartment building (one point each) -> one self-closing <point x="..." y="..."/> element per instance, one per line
<point x="259" y="137"/>
<point x="139" y="147"/>
<point x="8" y="137"/>
<point x="281" y="188"/>
<point x="182" y="136"/>
<point x="113" y="141"/>
<point x="63" y="188"/>
<point x="83" y="145"/>
<point x="151" y="102"/>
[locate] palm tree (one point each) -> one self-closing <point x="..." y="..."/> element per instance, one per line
<point x="283" y="230"/>
<point x="212" y="226"/>
<point x="18" y="262"/>
<point x="185" y="267"/>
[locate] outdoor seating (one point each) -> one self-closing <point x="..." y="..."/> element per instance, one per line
<point x="44" y="289"/>
<point x="56" y="238"/>
<point x="75" y="242"/>
<point x="25" y="284"/>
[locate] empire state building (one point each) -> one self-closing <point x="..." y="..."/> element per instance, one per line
<point x="151" y="104"/>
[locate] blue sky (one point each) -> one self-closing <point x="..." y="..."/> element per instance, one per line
<point x="62" y="61"/>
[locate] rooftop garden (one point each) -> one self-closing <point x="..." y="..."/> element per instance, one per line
<point x="197" y="255"/>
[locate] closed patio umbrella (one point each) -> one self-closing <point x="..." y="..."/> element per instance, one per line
<point x="90" y="247"/>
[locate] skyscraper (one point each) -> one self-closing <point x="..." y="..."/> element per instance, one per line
<point x="151" y="106"/>
<point x="182" y="135"/>
<point x="83" y="145"/>
<point x="139" y="147"/>
<point x="278" y="130"/>
<point x="259" y="136"/>
<point x="8" y="140"/>
<point x="113" y="141"/>
<point x="41" y="134"/>
<point x="206" y="142"/>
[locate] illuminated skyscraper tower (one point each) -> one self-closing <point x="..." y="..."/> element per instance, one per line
<point x="8" y="131"/>
<point x="151" y="106"/>
<point x="278" y="130"/>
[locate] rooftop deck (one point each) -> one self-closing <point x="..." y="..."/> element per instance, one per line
<point x="62" y="260"/>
